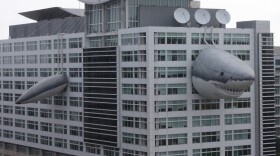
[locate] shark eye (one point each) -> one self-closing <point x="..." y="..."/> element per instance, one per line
<point x="222" y="73"/>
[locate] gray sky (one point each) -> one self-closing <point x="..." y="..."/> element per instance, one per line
<point x="240" y="10"/>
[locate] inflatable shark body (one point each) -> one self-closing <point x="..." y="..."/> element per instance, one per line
<point x="45" y="88"/>
<point x="218" y="74"/>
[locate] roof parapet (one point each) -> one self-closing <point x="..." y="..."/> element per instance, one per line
<point x="52" y="13"/>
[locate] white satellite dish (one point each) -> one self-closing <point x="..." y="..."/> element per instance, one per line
<point x="202" y="16"/>
<point x="182" y="15"/>
<point x="223" y="16"/>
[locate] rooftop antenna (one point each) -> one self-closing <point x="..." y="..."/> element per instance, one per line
<point x="223" y="16"/>
<point x="202" y="16"/>
<point x="182" y="15"/>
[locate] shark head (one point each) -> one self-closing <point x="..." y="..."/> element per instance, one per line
<point x="218" y="74"/>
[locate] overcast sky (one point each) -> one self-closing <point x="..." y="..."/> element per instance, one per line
<point x="240" y="10"/>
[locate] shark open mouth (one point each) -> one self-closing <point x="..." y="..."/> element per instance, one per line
<point x="230" y="91"/>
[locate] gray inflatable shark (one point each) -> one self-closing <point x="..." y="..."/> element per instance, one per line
<point x="218" y="74"/>
<point x="45" y="88"/>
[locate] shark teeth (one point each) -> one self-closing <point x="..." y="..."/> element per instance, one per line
<point x="230" y="91"/>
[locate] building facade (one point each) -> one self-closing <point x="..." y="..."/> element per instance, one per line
<point x="277" y="72"/>
<point x="130" y="91"/>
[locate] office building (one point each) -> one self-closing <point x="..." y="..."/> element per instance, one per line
<point x="130" y="93"/>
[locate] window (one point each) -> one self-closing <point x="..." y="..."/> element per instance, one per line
<point x="237" y="39"/>
<point x="134" y="122"/>
<point x="203" y="137"/>
<point x="133" y="39"/>
<point x="75" y="43"/>
<point x="76" y="101"/>
<point x="210" y="38"/>
<point x="76" y="131"/>
<point x="76" y="145"/>
<point x="45" y="58"/>
<point x="45" y="140"/>
<point x="32" y="125"/>
<point x="76" y="116"/>
<point x="134" y="89"/>
<point x="170" y="72"/>
<point x="241" y="54"/>
<point x="46" y="113"/>
<point x="19" y="59"/>
<point x="171" y="139"/>
<point x="111" y="40"/>
<point x="173" y="122"/>
<point x="8" y="121"/>
<point x="237" y="103"/>
<point x="8" y="109"/>
<point x="160" y="38"/>
<point x="7" y="59"/>
<point x="206" y="151"/>
<point x="19" y="72"/>
<point x="170" y="55"/>
<point x="19" y="110"/>
<point x="61" y="115"/>
<point x="75" y="58"/>
<point x="95" y="42"/>
<point x="170" y="89"/>
<point x="47" y="127"/>
<point x="95" y="15"/>
<point x="137" y="106"/>
<point x="46" y="45"/>
<point x="7" y="84"/>
<point x="30" y="84"/>
<point x="31" y="59"/>
<point x="57" y="44"/>
<point x="170" y="106"/>
<point x="61" y="143"/>
<point x="32" y="72"/>
<point x="232" y="119"/>
<point x="8" y="134"/>
<point x="170" y="38"/>
<point x="8" y="97"/>
<point x="32" y="138"/>
<point x="32" y="111"/>
<point x="75" y="87"/>
<point x="138" y="72"/>
<point x="127" y="152"/>
<point x="136" y="139"/>
<point x="20" y="136"/>
<point x="19" y="46"/>
<point x="7" y="72"/>
<point x="205" y="104"/>
<point x="134" y="56"/>
<point x="57" y="59"/>
<point x="75" y="72"/>
<point x="173" y="153"/>
<point x="31" y="46"/>
<point x="47" y="101"/>
<point x="60" y="100"/>
<point x="45" y="72"/>
<point x="91" y="148"/>
<point x="61" y="129"/>
<point x="242" y="150"/>
<point x="113" y="17"/>
<point x="242" y="134"/>
<point x="20" y="85"/>
<point x="7" y="47"/>
<point x="208" y="120"/>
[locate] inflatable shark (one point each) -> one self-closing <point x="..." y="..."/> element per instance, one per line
<point x="219" y="74"/>
<point x="45" y="88"/>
